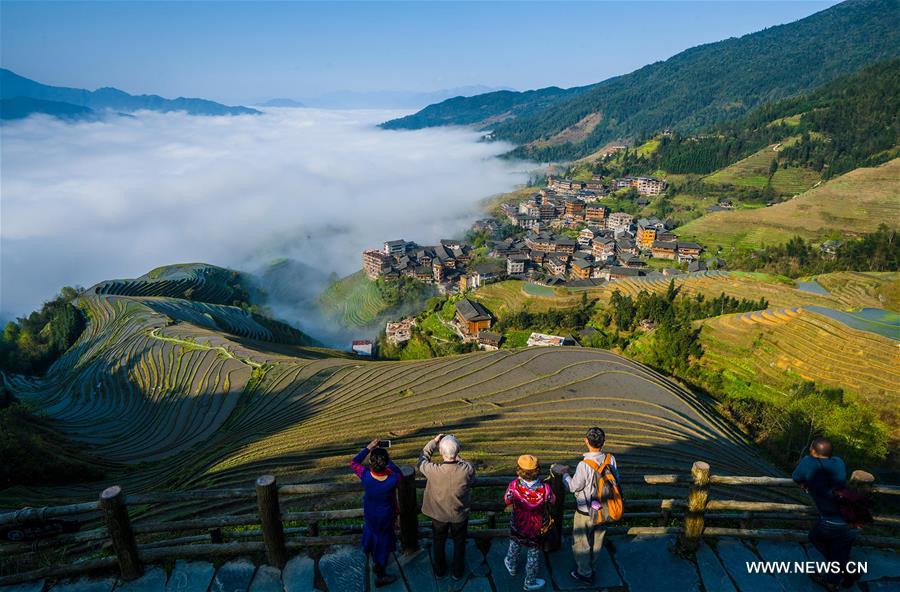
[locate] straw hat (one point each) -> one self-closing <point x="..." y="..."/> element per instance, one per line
<point x="527" y="462"/>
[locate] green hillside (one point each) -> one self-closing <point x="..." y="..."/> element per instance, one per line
<point x="853" y="204"/>
<point x="848" y="123"/>
<point x="354" y="301"/>
<point x="696" y="88"/>
<point x="754" y="171"/>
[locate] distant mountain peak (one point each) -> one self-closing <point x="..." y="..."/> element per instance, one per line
<point x="53" y="100"/>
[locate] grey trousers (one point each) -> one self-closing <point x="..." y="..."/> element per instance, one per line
<point x="587" y="541"/>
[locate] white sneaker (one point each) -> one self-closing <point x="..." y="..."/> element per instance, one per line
<point x="537" y="584"/>
<point x="511" y="568"/>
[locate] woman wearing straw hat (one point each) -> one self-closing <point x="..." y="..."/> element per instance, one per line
<point x="528" y="497"/>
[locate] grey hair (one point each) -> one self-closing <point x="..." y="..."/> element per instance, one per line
<point x="449" y="447"/>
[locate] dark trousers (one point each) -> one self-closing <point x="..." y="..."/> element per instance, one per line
<point x="457" y="532"/>
<point x="833" y="540"/>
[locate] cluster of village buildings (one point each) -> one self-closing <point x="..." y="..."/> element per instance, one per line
<point x="609" y="246"/>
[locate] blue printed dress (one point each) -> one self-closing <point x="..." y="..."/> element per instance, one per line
<point x="379" y="507"/>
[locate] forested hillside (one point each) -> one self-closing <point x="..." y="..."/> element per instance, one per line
<point x="697" y="88"/>
<point x="851" y="122"/>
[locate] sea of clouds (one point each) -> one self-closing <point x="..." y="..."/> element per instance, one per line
<point x="85" y="202"/>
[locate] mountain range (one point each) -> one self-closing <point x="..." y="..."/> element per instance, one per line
<point x="693" y="89"/>
<point x="20" y="97"/>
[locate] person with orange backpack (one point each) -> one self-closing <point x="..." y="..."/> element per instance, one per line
<point x="598" y="498"/>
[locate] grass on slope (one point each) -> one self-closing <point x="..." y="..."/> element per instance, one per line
<point x="848" y="291"/>
<point x="853" y="204"/>
<point x="753" y="171"/>
<point x="762" y="354"/>
<point x="354" y="301"/>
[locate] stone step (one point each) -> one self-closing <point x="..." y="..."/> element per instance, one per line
<point x="85" y="584"/>
<point x="234" y="576"/>
<point x="153" y="580"/>
<point x="35" y="586"/>
<point x="344" y="569"/>
<point x="715" y="577"/>
<point x="635" y="555"/>
<point x="190" y="576"/>
<point x="606" y="577"/>
<point x="786" y="551"/>
<point x="299" y="574"/>
<point x="503" y="582"/>
<point x="734" y="556"/>
<point x="392" y="569"/>
<point x="266" y="579"/>
<point x="417" y="570"/>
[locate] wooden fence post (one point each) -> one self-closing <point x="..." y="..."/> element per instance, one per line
<point x="118" y="524"/>
<point x="696" y="507"/>
<point x="270" y="520"/>
<point x="665" y="516"/>
<point x="215" y="536"/>
<point x="409" y="510"/>
<point x="554" y="538"/>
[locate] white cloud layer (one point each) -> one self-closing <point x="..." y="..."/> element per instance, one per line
<point x="81" y="203"/>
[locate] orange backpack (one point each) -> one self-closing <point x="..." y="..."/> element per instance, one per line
<point x="608" y="493"/>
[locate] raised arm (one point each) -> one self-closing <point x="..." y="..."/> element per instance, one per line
<point x="356" y="462"/>
<point x="425" y="465"/>
<point x="578" y="481"/>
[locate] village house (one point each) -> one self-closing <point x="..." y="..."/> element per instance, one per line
<point x="644" y="185"/>
<point x="646" y="236"/>
<point x="395" y="247"/>
<point x="557" y="265"/>
<point x="603" y="249"/>
<point x="581" y="269"/>
<point x="830" y="248"/>
<point x="362" y="347"/>
<point x="695" y="266"/>
<point x="540" y="241"/>
<point x="547" y="211"/>
<point x="490" y="341"/>
<point x="515" y="264"/>
<point x="544" y="340"/>
<point x="664" y="250"/>
<point x="626" y="244"/>
<point x="400" y="331"/>
<point x="632" y="261"/>
<point x="688" y="251"/>
<point x="619" y="221"/>
<point x="595" y="213"/>
<point x="574" y="209"/>
<point x="564" y="245"/>
<point x="471" y="317"/>
<point x="375" y="263"/>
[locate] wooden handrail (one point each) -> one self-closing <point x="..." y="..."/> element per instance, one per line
<point x="277" y="540"/>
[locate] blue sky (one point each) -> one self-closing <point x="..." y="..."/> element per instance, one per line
<point x="238" y="51"/>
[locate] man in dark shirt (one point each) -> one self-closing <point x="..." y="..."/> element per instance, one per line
<point x="819" y="474"/>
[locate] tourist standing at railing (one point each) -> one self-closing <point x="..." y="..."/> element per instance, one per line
<point x="530" y="499"/>
<point x="820" y="474"/>
<point x="592" y="493"/>
<point x="379" y="482"/>
<point x="447" y="500"/>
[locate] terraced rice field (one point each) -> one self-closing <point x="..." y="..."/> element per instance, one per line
<point x="753" y="171"/>
<point x="772" y="349"/>
<point x="847" y="290"/>
<point x="850" y="205"/>
<point x="196" y="281"/>
<point x="153" y="387"/>
<point x="354" y="301"/>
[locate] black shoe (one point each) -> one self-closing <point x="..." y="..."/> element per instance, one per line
<point x="385" y="580"/>
<point x="583" y="579"/>
<point x="458" y="576"/>
<point x="440" y="572"/>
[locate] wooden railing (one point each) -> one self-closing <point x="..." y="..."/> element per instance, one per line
<point x="271" y="526"/>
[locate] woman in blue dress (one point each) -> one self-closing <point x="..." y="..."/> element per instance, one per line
<point x="379" y="482"/>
